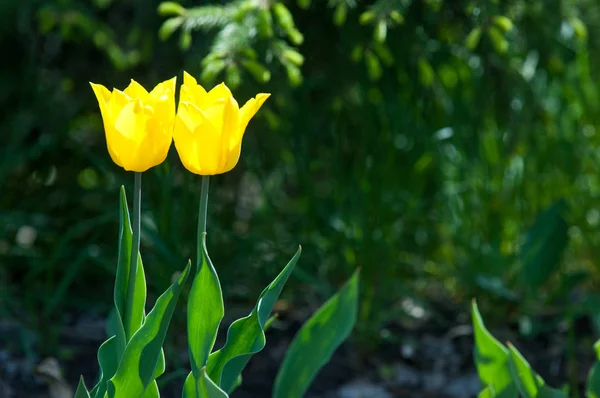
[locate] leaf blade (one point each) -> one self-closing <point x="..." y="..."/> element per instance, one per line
<point x="81" y="391"/>
<point x="491" y="359"/>
<point x="205" y="311"/>
<point x="108" y="361"/>
<point x="321" y="335"/>
<point x="245" y="336"/>
<point x="142" y="354"/>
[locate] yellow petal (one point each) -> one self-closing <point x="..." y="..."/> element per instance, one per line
<point x="230" y="126"/>
<point x="164" y="89"/>
<point x="196" y="140"/>
<point x="246" y="113"/>
<point x="214" y="113"/>
<point x="164" y="101"/>
<point x="219" y="92"/>
<point x="118" y="100"/>
<point x="103" y="97"/>
<point x="131" y="121"/>
<point x="233" y="156"/>
<point x="191" y="91"/>
<point x="101" y="92"/>
<point x="154" y="147"/>
<point x="193" y="116"/>
<point x="188" y="79"/>
<point x="135" y="90"/>
<point x="251" y="107"/>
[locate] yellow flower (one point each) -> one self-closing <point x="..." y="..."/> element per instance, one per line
<point x="138" y="124"/>
<point x="209" y="127"/>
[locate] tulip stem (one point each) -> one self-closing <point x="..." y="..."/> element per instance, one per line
<point x="202" y="215"/>
<point x="135" y="250"/>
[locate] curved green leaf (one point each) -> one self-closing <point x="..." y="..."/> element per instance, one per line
<point x="246" y="336"/>
<point x="487" y="392"/>
<point x="142" y="354"/>
<point x="593" y="382"/>
<point x="161" y="366"/>
<point x="108" y="361"/>
<point x="151" y="391"/>
<point x="124" y="332"/>
<point x="202" y="387"/>
<point x="82" y="391"/>
<point x="491" y="359"/>
<point x="316" y="341"/>
<point x="205" y="312"/>
<point x="528" y="382"/>
<point x="545" y="242"/>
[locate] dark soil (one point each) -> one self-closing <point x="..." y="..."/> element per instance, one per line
<point x="424" y="361"/>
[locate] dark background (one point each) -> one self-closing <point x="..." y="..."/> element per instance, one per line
<point x="449" y="148"/>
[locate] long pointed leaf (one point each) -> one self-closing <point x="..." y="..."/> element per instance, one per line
<point x="125" y="332"/>
<point x="151" y="391"/>
<point x="82" y="391"/>
<point x="205" y="312"/>
<point x="593" y="382"/>
<point x="316" y="341"/>
<point x="142" y="353"/>
<point x="246" y="336"/>
<point x="487" y="392"/>
<point x="202" y="387"/>
<point x="491" y="359"/>
<point x="528" y="382"/>
<point x="162" y="365"/>
<point x="108" y="361"/>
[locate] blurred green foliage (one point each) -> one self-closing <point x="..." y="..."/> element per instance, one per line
<point x="450" y="149"/>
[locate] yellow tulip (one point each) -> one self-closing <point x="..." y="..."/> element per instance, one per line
<point x="209" y="127"/>
<point x="138" y="124"/>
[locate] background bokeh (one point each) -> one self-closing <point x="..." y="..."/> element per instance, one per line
<point x="449" y="149"/>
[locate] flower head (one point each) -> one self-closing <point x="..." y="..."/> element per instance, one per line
<point x="138" y="124"/>
<point x="209" y="127"/>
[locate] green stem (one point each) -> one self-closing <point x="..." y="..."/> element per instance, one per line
<point x="202" y="211"/>
<point x="135" y="250"/>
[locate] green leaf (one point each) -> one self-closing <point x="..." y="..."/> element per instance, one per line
<point x="548" y="392"/>
<point x="122" y="281"/>
<point x="82" y="391"/>
<point x="205" y="312"/>
<point x="169" y="27"/>
<point x="245" y="336"/>
<point x="593" y="383"/>
<point x="317" y="340"/>
<point x="472" y="40"/>
<point x="108" y="361"/>
<point x="488" y="392"/>
<point x="544" y="245"/>
<point x="491" y="359"/>
<point x="204" y="388"/>
<point x="142" y="353"/>
<point x="161" y="367"/>
<point x="528" y="382"/>
<point x="151" y="391"/>
<point x="167" y="8"/>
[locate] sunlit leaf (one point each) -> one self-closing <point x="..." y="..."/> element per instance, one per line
<point x="142" y="354"/>
<point x="245" y="336"/>
<point x="316" y="341"/>
<point x="491" y="359"/>
<point x="205" y="311"/>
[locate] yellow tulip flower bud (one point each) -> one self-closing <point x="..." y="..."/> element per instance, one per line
<point x="138" y="124"/>
<point x="209" y="127"/>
